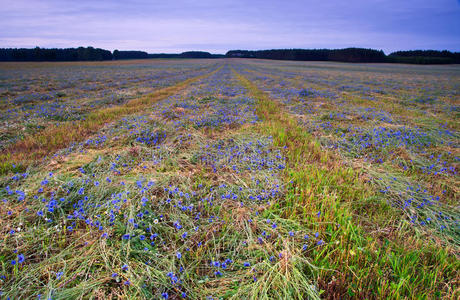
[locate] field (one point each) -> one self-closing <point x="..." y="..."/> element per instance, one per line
<point x="229" y="179"/>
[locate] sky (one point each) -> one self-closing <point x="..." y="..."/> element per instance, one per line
<point x="170" y="26"/>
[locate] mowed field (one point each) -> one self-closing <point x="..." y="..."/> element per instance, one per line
<point x="229" y="179"/>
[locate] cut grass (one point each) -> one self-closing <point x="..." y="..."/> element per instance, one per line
<point x="36" y="146"/>
<point x="295" y="221"/>
<point x="369" y="252"/>
<point x="222" y="210"/>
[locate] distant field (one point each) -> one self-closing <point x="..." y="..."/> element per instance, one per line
<point x="229" y="179"/>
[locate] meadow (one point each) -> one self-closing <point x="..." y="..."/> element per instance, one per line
<point x="229" y="179"/>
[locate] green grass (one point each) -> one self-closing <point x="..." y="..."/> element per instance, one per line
<point x="309" y="221"/>
<point x="369" y="252"/>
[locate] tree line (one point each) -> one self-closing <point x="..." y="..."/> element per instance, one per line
<point x="187" y="54"/>
<point x="348" y="54"/>
<point x="89" y="54"/>
<point x="54" y="54"/>
<point x="343" y="55"/>
<point x="129" y="54"/>
<point x="425" y="57"/>
<point x="352" y="55"/>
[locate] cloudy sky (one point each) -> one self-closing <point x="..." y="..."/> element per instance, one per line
<point x="217" y="26"/>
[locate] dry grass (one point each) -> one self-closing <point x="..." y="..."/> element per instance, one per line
<point x="36" y="146"/>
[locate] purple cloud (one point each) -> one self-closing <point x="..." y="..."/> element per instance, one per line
<point x="218" y="26"/>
